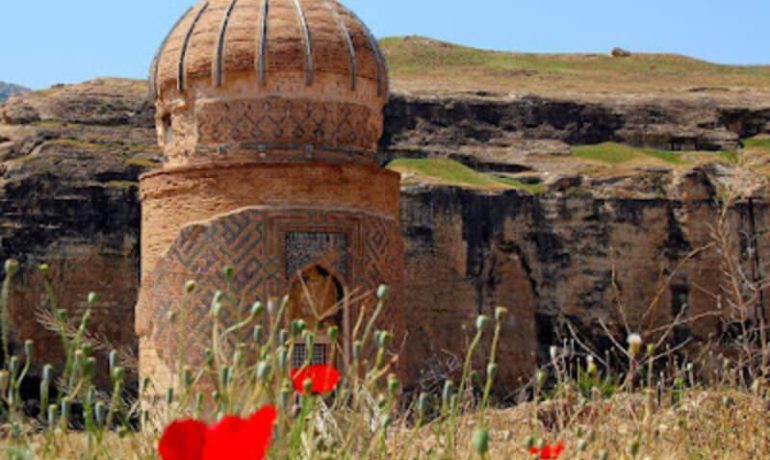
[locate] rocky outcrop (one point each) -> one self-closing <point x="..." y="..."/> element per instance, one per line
<point x="568" y="266"/>
<point x="68" y="197"/>
<point x="593" y="251"/>
<point x="7" y="90"/>
<point x="534" y="125"/>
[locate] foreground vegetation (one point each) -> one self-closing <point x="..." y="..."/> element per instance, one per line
<point x="649" y="404"/>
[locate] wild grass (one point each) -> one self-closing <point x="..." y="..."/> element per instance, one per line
<point x="610" y="152"/>
<point x="759" y="143"/>
<point x="451" y="172"/>
<point x="643" y="397"/>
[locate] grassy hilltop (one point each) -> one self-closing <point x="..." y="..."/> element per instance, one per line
<point x="419" y="63"/>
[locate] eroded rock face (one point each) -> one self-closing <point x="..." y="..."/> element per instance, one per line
<point x="68" y="197"/>
<point x="577" y="258"/>
<point x="568" y="266"/>
<point x="532" y="125"/>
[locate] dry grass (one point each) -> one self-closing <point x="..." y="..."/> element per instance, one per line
<point x="422" y="64"/>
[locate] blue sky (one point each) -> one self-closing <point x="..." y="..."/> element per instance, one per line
<point x="62" y="41"/>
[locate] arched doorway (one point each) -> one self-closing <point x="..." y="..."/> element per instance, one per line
<point x="316" y="296"/>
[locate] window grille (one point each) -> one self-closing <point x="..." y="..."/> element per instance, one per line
<point x="320" y="355"/>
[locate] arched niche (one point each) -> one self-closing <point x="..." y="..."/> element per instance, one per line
<point x="317" y="296"/>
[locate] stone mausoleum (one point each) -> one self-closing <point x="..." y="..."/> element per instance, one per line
<point x="269" y="113"/>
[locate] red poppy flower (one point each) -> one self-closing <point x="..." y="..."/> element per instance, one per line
<point x="324" y="378"/>
<point x="547" y="452"/>
<point x="232" y="438"/>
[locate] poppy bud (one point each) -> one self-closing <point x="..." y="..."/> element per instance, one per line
<point x="263" y="371"/>
<point x="66" y="409"/>
<point x="357" y="350"/>
<point x="14" y="365"/>
<point x="229" y="273"/>
<point x="553" y="350"/>
<point x="86" y="321"/>
<point x="100" y="412"/>
<point x="540" y="378"/>
<point x="333" y="333"/>
<point x="481" y="322"/>
<point x="238" y="356"/>
<point x="171" y="316"/>
<point x="29" y="348"/>
<point x="190" y="286"/>
<point x="272" y="306"/>
<point x="383" y="292"/>
<point x="446" y="395"/>
<point x="283" y="357"/>
<point x="258" y="334"/>
<point x="48" y="374"/>
<point x="634" y="345"/>
<point x="11" y="267"/>
<point x="89" y="367"/>
<point x="383" y="339"/>
<point x="187" y="376"/>
<point x="257" y="309"/>
<point x="113" y="359"/>
<point x="603" y="455"/>
<point x="582" y="444"/>
<point x="591" y="368"/>
<point x="393" y="384"/>
<point x="492" y="371"/>
<point x="91" y="298"/>
<point x="145" y="384"/>
<point x="169" y="396"/>
<point x="209" y="357"/>
<point x="61" y="315"/>
<point x="52" y="409"/>
<point x="283" y="337"/>
<point x="45" y="270"/>
<point x="297" y="327"/>
<point x="309" y="341"/>
<point x="307" y="385"/>
<point x="224" y="376"/>
<point x="286" y="395"/>
<point x="476" y="379"/>
<point x="118" y="374"/>
<point x="481" y="441"/>
<point x="216" y="309"/>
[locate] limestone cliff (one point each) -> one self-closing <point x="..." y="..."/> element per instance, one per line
<point x="567" y="239"/>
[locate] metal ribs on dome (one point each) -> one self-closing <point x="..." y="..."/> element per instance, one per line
<point x="348" y="44"/>
<point x="221" y="44"/>
<point x="185" y="46"/>
<point x="262" y="47"/>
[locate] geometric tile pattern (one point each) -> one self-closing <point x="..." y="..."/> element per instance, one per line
<point x="277" y="120"/>
<point x="265" y="248"/>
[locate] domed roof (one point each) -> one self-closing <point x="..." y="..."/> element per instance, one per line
<point x="287" y="79"/>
